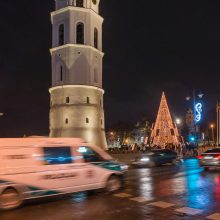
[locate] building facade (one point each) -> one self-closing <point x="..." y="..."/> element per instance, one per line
<point x="76" y="94"/>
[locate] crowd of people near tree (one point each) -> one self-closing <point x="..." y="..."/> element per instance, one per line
<point x="184" y="150"/>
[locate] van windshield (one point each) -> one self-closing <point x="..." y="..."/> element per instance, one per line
<point x="57" y="155"/>
<point x="90" y="155"/>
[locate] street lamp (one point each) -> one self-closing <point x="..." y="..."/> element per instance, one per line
<point x="212" y="127"/>
<point x="178" y="125"/>
<point x="178" y="121"/>
<point x="218" y="123"/>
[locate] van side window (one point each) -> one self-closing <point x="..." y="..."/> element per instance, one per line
<point x="90" y="155"/>
<point x="57" y="155"/>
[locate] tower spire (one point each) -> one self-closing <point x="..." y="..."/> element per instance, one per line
<point x="165" y="131"/>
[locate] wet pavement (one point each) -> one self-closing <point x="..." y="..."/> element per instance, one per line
<point x="168" y="192"/>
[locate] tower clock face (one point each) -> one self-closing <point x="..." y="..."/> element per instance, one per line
<point x="94" y="2"/>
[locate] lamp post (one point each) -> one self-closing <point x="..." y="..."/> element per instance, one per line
<point x="218" y="124"/>
<point x="213" y="137"/>
<point x="197" y="114"/>
<point x="178" y="122"/>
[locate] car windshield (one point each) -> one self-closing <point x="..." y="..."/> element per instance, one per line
<point x="216" y="150"/>
<point x="164" y="152"/>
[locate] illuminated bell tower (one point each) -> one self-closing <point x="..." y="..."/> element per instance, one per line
<point x="76" y="95"/>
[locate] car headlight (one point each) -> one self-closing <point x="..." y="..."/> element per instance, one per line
<point x="144" y="159"/>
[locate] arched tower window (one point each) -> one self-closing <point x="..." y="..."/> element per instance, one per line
<point x="67" y="100"/>
<point x="79" y="3"/>
<point x="61" y="73"/>
<point x="61" y="34"/>
<point x="80" y="33"/>
<point x="87" y="100"/>
<point x="87" y="120"/>
<point x="96" y="38"/>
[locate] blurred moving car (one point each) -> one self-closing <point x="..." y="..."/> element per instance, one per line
<point x="156" y="158"/>
<point x="210" y="158"/>
<point x="39" y="167"/>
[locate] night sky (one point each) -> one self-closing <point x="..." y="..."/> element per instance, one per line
<point x="150" y="47"/>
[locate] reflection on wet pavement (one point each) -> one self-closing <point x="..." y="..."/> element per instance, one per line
<point x="79" y="197"/>
<point x="185" y="187"/>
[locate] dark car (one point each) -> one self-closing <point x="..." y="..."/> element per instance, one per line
<point x="156" y="158"/>
<point x="210" y="158"/>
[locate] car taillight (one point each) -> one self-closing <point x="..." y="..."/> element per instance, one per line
<point x="200" y="157"/>
<point x="217" y="156"/>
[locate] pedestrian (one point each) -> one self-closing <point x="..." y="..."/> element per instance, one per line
<point x="195" y="152"/>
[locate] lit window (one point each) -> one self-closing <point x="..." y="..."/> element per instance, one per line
<point x="80" y="33"/>
<point x="61" y="34"/>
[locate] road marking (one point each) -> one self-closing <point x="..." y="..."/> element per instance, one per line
<point x="162" y="204"/>
<point x="189" y="211"/>
<point x="215" y="216"/>
<point x="139" y="199"/>
<point x="122" y="195"/>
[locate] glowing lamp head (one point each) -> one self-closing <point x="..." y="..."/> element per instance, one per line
<point x="192" y="138"/>
<point x="178" y="121"/>
<point x="200" y="95"/>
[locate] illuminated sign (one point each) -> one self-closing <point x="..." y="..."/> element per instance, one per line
<point x="198" y="112"/>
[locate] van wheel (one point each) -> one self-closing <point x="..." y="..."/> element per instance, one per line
<point x="10" y="199"/>
<point x="114" y="183"/>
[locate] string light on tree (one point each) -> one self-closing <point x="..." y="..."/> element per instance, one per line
<point x="164" y="131"/>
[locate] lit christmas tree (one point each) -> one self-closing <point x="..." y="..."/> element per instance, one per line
<point x="164" y="131"/>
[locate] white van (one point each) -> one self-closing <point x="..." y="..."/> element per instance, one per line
<point x="38" y="167"/>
